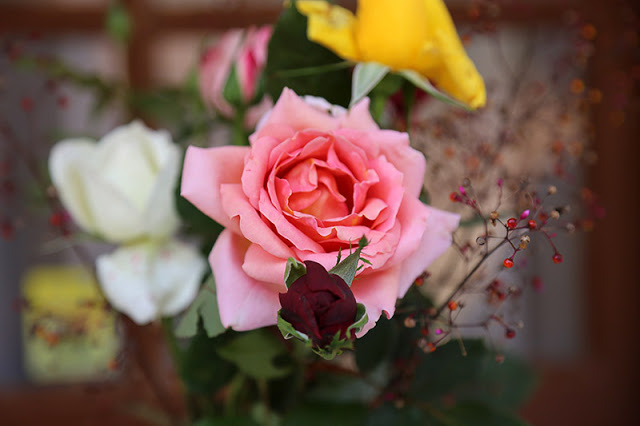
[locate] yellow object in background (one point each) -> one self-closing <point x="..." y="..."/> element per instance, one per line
<point x="68" y="332"/>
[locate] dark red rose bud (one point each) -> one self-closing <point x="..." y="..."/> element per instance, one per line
<point x="319" y="304"/>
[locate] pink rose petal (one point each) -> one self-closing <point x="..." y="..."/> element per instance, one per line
<point x="378" y="292"/>
<point x="435" y="241"/>
<point x="248" y="221"/>
<point x="205" y="170"/>
<point x="243" y="302"/>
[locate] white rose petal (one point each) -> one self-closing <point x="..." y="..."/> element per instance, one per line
<point x="122" y="187"/>
<point x="146" y="281"/>
<point x="323" y="105"/>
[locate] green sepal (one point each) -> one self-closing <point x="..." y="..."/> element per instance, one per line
<point x="232" y="91"/>
<point x="347" y="268"/>
<point x="366" y="76"/>
<point x="424" y="84"/>
<point x="287" y="330"/>
<point x="293" y="271"/>
<point x="205" y="306"/>
<point x="337" y="344"/>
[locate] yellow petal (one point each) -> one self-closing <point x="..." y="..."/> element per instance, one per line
<point x="444" y="60"/>
<point x="330" y="26"/>
<point x="391" y="32"/>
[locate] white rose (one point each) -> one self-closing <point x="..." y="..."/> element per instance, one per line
<point x="149" y="280"/>
<point x="122" y="187"/>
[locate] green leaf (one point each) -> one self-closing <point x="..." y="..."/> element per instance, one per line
<point x="255" y="353"/>
<point x="425" y="85"/>
<point x="225" y="421"/>
<point x="323" y="414"/>
<point x="375" y="347"/>
<point x="293" y="271"/>
<point x="387" y="414"/>
<point x="205" y="306"/>
<point x="166" y="104"/>
<point x="366" y="76"/>
<point x="474" y="377"/>
<point x="349" y="266"/>
<point x="470" y="413"/>
<point x="305" y="67"/>
<point x="339" y="388"/>
<point x="202" y="370"/>
<point x="232" y="91"/>
<point x="118" y="23"/>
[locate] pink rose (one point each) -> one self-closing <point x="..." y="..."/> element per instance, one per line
<point x="311" y="183"/>
<point x="246" y="52"/>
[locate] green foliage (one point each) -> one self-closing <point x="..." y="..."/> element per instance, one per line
<point x="118" y="22"/>
<point x="323" y="414"/>
<point x="470" y="413"/>
<point x="103" y="91"/>
<point x="201" y="368"/>
<point x="376" y="346"/>
<point x="474" y="377"/>
<point x="256" y="353"/>
<point x="293" y="271"/>
<point x="205" y="308"/>
<point x="424" y="84"/>
<point x="336" y="388"/>
<point x="305" y="67"/>
<point x="226" y="421"/>
<point x="366" y="76"/>
<point x="387" y="414"/>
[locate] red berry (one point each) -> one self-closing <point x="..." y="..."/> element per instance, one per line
<point x="557" y="258"/>
<point x="56" y="219"/>
<point x="452" y="305"/>
<point x="26" y="104"/>
<point x="512" y="223"/>
<point x="508" y="263"/>
<point x="6" y="228"/>
<point x="532" y="224"/>
<point x="509" y="333"/>
<point x="537" y="283"/>
<point x="454" y="197"/>
<point x="63" y="101"/>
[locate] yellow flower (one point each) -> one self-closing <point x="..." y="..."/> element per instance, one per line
<point x="416" y="35"/>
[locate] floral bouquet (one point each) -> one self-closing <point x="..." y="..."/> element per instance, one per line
<point x="338" y="287"/>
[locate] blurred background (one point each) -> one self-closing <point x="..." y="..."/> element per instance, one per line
<point x="65" y="364"/>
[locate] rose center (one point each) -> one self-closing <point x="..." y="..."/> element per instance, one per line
<point x="322" y="301"/>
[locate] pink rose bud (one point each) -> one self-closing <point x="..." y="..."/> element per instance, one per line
<point x="230" y="72"/>
<point x="319" y="305"/>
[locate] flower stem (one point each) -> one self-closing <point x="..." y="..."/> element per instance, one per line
<point x="301" y="72"/>
<point x="466" y="279"/>
<point x="172" y="343"/>
<point x="238" y="132"/>
<point x="377" y="106"/>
